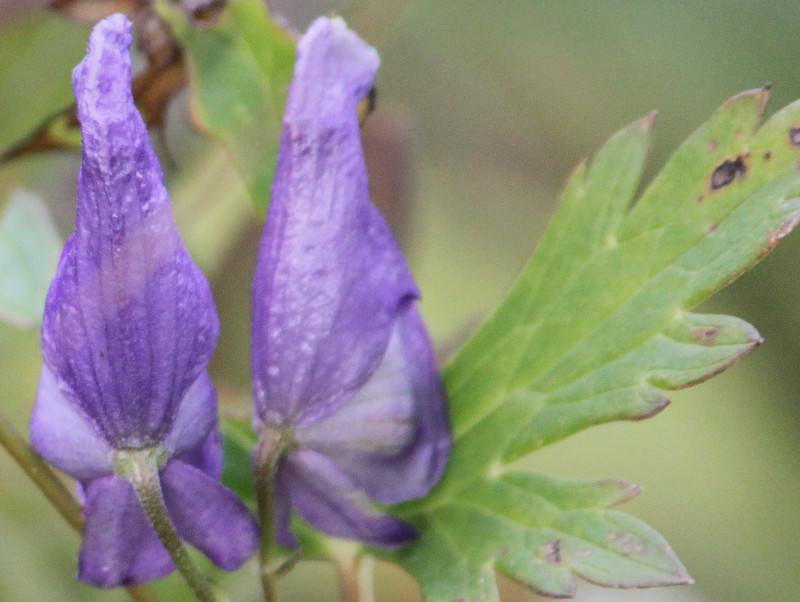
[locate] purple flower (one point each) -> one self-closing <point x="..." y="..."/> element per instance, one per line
<point x="129" y="328"/>
<point x="343" y="369"/>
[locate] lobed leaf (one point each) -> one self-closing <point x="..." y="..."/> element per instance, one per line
<point x="597" y="328"/>
<point x="239" y="69"/>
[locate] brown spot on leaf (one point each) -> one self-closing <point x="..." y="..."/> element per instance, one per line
<point x="713" y="145"/>
<point x="794" y="136"/>
<point x="728" y="171"/>
<point x="767" y="155"/>
<point x="554" y="552"/>
<point x="700" y="199"/>
<point x="705" y="336"/>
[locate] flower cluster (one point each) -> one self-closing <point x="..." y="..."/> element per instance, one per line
<point x="347" y="393"/>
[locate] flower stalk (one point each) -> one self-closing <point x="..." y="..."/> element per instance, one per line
<point x="40" y="473"/>
<point x="356" y="570"/>
<point x="271" y="445"/>
<point x="140" y="468"/>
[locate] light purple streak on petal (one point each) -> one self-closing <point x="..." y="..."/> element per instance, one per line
<point x="378" y="420"/>
<point x="393" y="436"/>
<point x="129" y="322"/>
<point x="330" y="276"/>
<point x="195" y="417"/>
<point x="208" y="515"/>
<point x="119" y="548"/>
<point x="65" y="436"/>
<point x="334" y="504"/>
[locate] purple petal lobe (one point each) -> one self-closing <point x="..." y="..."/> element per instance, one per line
<point x="334" y="504"/>
<point x="129" y="322"/>
<point x="65" y="436"/>
<point x="206" y="457"/>
<point x="119" y="548"/>
<point x="208" y="515"/>
<point x="330" y="276"/>
<point x="195" y="417"/>
<point x="392" y="437"/>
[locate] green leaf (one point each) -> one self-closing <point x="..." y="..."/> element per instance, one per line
<point x="240" y="68"/>
<point x="596" y="329"/>
<point x="29" y="251"/>
<point x="238" y="442"/>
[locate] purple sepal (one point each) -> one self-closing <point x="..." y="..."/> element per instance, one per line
<point x="119" y="545"/>
<point x="335" y="504"/>
<point x="65" y="436"/>
<point x="128" y="331"/>
<point x="129" y="322"/>
<point x="392" y="437"/>
<point x="341" y="360"/>
<point x="330" y="276"/>
<point x="209" y="515"/>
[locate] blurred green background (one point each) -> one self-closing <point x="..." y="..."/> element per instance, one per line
<point x="483" y="110"/>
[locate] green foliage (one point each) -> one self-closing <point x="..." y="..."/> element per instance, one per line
<point x="238" y="442"/>
<point x="29" y="250"/>
<point x="594" y="330"/>
<point x="240" y="68"/>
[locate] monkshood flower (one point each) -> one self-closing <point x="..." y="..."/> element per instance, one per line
<point x="129" y="328"/>
<point x="349" y="401"/>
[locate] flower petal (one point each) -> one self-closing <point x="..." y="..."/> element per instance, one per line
<point x="65" y="436"/>
<point x="330" y="276"/>
<point x="195" y="417"/>
<point x="206" y="457"/>
<point x="393" y="437"/>
<point x="209" y="515"/>
<point x="330" y="501"/>
<point x="119" y="545"/>
<point x="129" y="322"/>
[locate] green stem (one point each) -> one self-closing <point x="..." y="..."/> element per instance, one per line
<point x="53" y="488"/>
<point x="271" y="445"/>
<point x="40" y="473"/>
<point x="356" y="576"/>
<point x="142" y="473"/>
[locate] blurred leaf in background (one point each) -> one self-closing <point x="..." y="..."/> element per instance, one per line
<point x="29" y="251"/>
<point x="240" y="68"/>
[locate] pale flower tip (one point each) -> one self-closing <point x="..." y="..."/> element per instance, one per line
<point x="347" y="60"/>
<point x="102" y="80"/>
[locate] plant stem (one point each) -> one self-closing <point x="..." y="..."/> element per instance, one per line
<point x="147" y="484"/>
<point x="356" y="575"/>
<point x="53" y="488"/>
<point x="40" y="473"/>
<point x="271" y="445"/>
